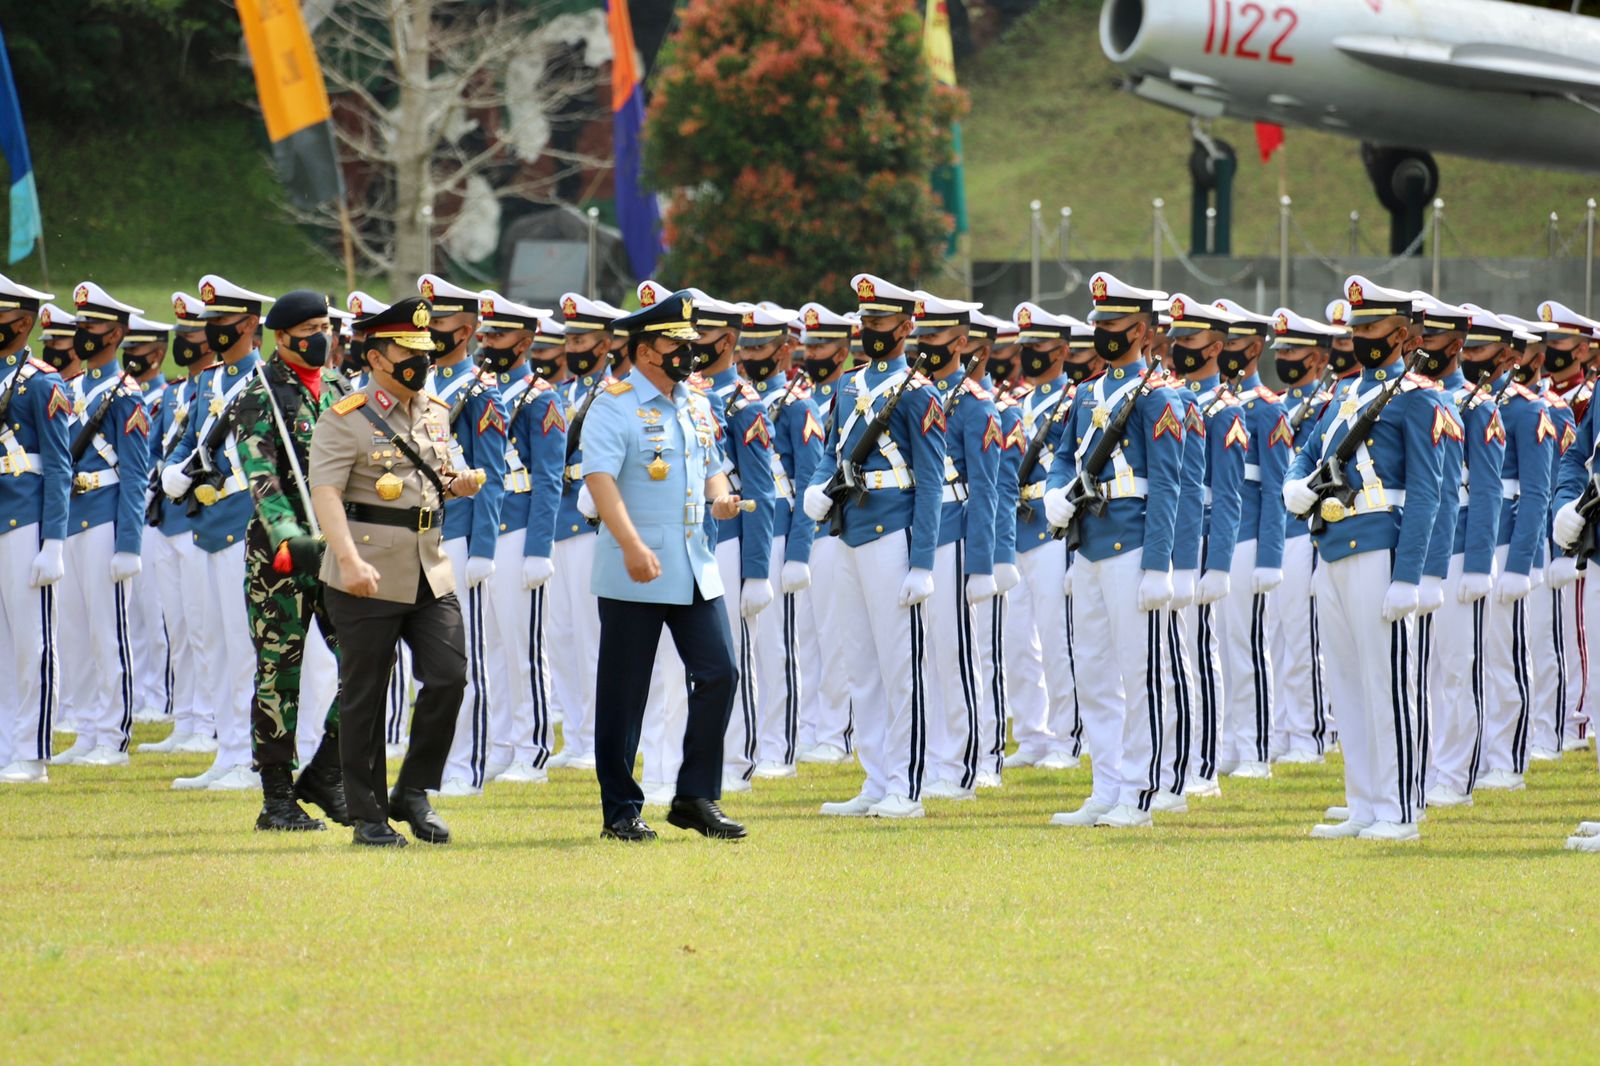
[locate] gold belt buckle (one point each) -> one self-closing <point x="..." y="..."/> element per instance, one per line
<point x="424" y="519"/>
<point x="9" y="464"/>
<point x="1333" y="511"/>
<point x="81" y="482"/>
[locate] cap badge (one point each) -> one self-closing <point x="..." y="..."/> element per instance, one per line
<point x="1340" y="312"/>
<point x="569" y="307"/>
<point x="1546" y="313"/>
<point x="1355" y="294"/>
<point x="921" y="310"/>
<point x="1177" y="307"/>
<point x="866" y="290"/>
<point x="420" y="317"/>
<point x="208" y="293"/>
<point x="355" y="306"/>
<point x="749" y="318"/>
<point x="1099" y="288"/>
<point x="44" y="319"/>
<point x="647" y="295"/>
<point x="179" y="308"/>
<point x="1024" y="318"/>
<point x="688" y="311"/>
<point x="813" y="320"/>
<point x="1281" y="323"/>
<point x="81" y="295"/>
<point x="486" y="308"/>
<point x="426" y="289"/>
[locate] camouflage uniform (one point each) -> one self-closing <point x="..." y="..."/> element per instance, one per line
<point x="281" y="605"/>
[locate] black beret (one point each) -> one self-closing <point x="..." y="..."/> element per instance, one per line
<point x="295" y="307"/>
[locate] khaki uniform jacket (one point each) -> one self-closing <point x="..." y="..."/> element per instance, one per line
<point x="350" y="454"/>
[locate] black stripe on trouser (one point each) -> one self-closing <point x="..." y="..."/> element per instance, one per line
<point x="478" y="757"/>
<point x="537" y="668"/>
<point x="1180" y="682"/>
<point x="1519" y="670"/>
<point x="997" y="678"/>
<point x="125" y="664"/>
<point x="47" y="671"/>
<point x="849" y="726"/>
<point x="791" y="683"/>
<point x="1478" y="608"/>
<point x="1072" y="666"/>
<point x="1319" y="711"/>
<point x="919" y="739"/>
<point x="747" y="703"/>
<point x="1558" y="640"/>
<point x="1155" y="702"/>
<point x="1424" y="702"/>
<point x="394" y="727"/>
<point x="167" y="676"/>
<point x="1261" y="680"/>
<point x="1400" y="704"/>
<point x="1208" y="695"/>
<point x="966" y="671"/>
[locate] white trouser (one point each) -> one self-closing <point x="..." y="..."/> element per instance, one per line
<point x="666" y="714"/>
<point x="572" y="627"/>
<point x="1122" y="699"/>
<point x="1243" y="622"/>
<point x="1178" y="725"/>
<point x="205" y="647"/>
<point x="954" y="691"/>
<point x="95" y="611"/>
<point x="994" y="704"/>
<point x="1373" y="688"/>
<point x="1549" y="647"/>
<point x="1298" y="708"/>
<point x="469" y="748"/>
<point x="883" y="642"/>
<point x="228" y="627"/>
<point x="1044" y="700"/>
<point x="1203" y="661"/>
<point x="28" y="635"/>
<point x="167" y="572"/>
<point x="828" y="718"/>
<point x="319" y="686"/>
<point x="1456" y="687"/>
<point x="147" y="633"/>
<point x="519" y="673"/>
<point x="739" y="742"/>
<point x="779" y="684"/>
<point x="1508" y="707"/>
<point x="398" y="699"/>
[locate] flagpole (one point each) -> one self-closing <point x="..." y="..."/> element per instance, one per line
<point x="349" y="245"/>
<point x="44" y="263"/>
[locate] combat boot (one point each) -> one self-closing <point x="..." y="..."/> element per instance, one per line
<point x="279" y="811"/>
<point x="321" y="783"/>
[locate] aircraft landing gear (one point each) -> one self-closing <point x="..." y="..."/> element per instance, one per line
<point x="1406" y="181"/>
<point x="1212" y="164"/>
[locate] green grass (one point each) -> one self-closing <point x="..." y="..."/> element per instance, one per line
<point x="1048" y="123"/>
<point x="141" y="924"/>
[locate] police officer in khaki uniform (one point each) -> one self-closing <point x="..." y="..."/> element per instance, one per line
<point x="380" y="473"/>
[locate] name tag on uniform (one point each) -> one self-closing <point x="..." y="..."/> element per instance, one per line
<point x="438" y="433"/>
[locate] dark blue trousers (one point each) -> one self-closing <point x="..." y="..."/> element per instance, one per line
<point x="629" y="634"/>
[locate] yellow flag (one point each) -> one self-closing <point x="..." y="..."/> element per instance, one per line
<point x="936" y="47"/>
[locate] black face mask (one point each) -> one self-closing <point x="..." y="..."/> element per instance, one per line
<point x="704" y="356"/>
<point x="355" y="356"/>
<point x="58" y="358"/>
<point x="86" y="345"/>
<point x="1036" y="364"/>
<point x="135" y="364"/>
<point x="1433" y="363"/>
<point x="312" y="350"/>
<point x="760" y="369"/>
<point x="1558" y="362"/>
<point x="8" y="333"/>
<point x="187" y="352"/>
<point x="1112" y="344"/>
<point x="679" y="363"/>
<point x="412" y="371"/>
<point x="1523" y="374"/>
<point x="1076" y="372"/>
<point x="580" y="363"/>
<point x="1000" y="369"/>
<point x="1340" y="361"/>
<point x="444" y="341"/>
<point x="544" y="369"/>
<point x="1232" y="363"/>
<point x="1372" y="352"/>
<point x="938" y="356"/>
<point x="819" y="369"/>
<point x="1186" y="358"/>
<point x="877" y="343"/>
<point x="497" y="360"/>
<point x="1291" y="371"/>
<point x="221" y="337"/>
<point x="1475" y="369"/>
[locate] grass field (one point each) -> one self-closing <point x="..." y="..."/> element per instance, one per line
<point x="144" y="925"/>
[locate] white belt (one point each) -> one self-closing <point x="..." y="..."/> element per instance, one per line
<point x="955" y="492"/>
<point x="98" y="480"/>
<point x="574" y="472"/>
<point x="1252" y="471"/>
<point x="1034" y="491"/>
<point x="1124" y="488"/>
<point x="1392" y="498"/>
<point x="1510" y="488"/>
<point x="518" y="481"/>
<point x="896" y="477"/>
<point x="18" y="463"/>
<point x="1461" y="495"/>
<point x="1206" y="496"/>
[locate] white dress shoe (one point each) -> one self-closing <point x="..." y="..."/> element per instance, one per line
<point x="1023" y="757"/>
<point x="1440" y="796"/>
<point x="1169" y="803"/>
<point x="495" y="769"/>
<point x="1296" y="756"/>
<point x="1575" y="744"/>
<point x="104" y="756"/>
<point x="196" y="744"/>
<point x="458" y="786"/>
<point x="200" y="780"/>
<point x="74" y="755"/>
<point x="1339" y="830"/>
<point x="947" y="790"/>
<point x="1336" y="814"/>
<point x="1058" y="760"/>
<point x="148" y="716"/>
<point x="559" y="760"/>
<point x="25" y="772"/>
<point x="1124" y="816"/>
<point x="1588" y="829"/>
<point x="394" y="751"/>
<point x="895" y="807"/>
<point x="1391" y="831"/>
<point x="825" y="753"/>
<point x="1591" y="844"/>
<point x="1201" y="788"/>
<point x="660" y="796"/>
<point x="732" y="784"/>
<point x="164" y="746"/>
<point x="856" y="807"/>
<point x="581" y="762"/>
<point x="1086" y="815"/>
<point x="1255" y="771"/>
<point x="524" y="773"/>
<point x="771" y="768"/>
<point x="238" y="779"/>
<point x="1543" y="755"/>
<point x="987" y="779"/>
<point x="1227" y="766"/>
<point x="1501" y="779"/>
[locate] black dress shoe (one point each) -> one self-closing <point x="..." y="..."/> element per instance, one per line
<point x="411" y="806"/>
<point x="377" y="835"/>
<point x="279" y="812"/>
<point x="321" y="783"/>
<point x="705" y="818"/>
<point x="630" y="828"/>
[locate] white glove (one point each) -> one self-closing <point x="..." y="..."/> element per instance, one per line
<point x="124" y="565"/>
<point x="536" y="570"/>
<point x="1264" y="579"/>
<point x="1399" y="601"/>
<point x="174" y="482"/>
<point x="47" y="567"/>
<point x="1473" y="588"/>
<point x="1214" y="584"/>
<point x="755" y="595"/>
<point x="586" y="505"/>
<point x="917" y="587"/>
<point x="1513" y="587"/>
<point x="1006" y="577"/>
<point x="1183" y="582"/>
<point x="1297" y="497"/>
<point x="1155" y="590"/>
<point x="1535" y="577"/>
<point x="816" y="503"/>
<point x="478" y="571"/>
<point x="981" y="587"/>
<point x="1562" y="572"/>
<point x="1058" y="510"/>
<point x="795" y="577"/>
<point x="1430" y="595"/>
<point x="1568" y="525"/>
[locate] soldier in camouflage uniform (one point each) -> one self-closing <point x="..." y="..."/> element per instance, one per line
<point x="282" y="559"/>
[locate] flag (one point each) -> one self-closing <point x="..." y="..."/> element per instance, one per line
<point x="293" y="100"/>
<point x="637" y="215"/>
<point x="948" y="181"/>
<point x="1269" y="138"/>
<point x="25" y="231"/>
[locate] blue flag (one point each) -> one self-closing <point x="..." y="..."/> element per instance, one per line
<point x="637" y="216"/>
<point x="14" y="146"/>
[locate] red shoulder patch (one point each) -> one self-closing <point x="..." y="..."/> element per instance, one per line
<point x="1545" y="430"/>
<point x="491" y="420"/>
<point x="812" y="430"/>
<point x="933" y="416"/>
<point x="1568" y="436"/>
<point x="758" y="432"/>
<point x="992" y="435"/>
<point x="137" y="422"/>
<point x="1167" y="424"/>
<point x="553" y="420"/>
<point x="58" y="404"/>
<point x="1495" y="430"/>
<point x="1194" y="422"/>
<point x="1236" y="435"/>
<point x="1281" y="434"/>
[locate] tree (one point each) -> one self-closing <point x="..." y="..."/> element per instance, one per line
<point x="445" y="109"/>
<point x="799" y="139"/>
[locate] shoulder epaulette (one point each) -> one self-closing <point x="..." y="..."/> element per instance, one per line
<point x="1419" y="380"/>
<point x="539" y="384"/>
<point x="349" y="403"/>
<point x="978" y="391"/>
<point x="441" y="403"/>
<point x="40" y="365"/>
<point x="1555" y="401"/>
<point x="618" y="388"/>
<point x="1004" y="401"/>
<point x="698" y="381"/>
<point x="919" y="380"/>
<point x="1267" y="394"/>
<point x="1521" y="390"/>
<point x="1020" y="390"/>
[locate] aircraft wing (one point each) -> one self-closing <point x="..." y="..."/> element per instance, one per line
<point x="1486" y="66"/>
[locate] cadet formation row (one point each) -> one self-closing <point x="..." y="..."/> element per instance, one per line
<point x="1109" y="534"/>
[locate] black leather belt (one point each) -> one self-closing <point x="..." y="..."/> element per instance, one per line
<point x="420" y="519"/>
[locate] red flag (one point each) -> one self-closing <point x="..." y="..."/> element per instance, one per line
<point x="1269" y="138"/>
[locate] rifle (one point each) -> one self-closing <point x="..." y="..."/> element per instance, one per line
<point x="91" y="425"/>
<point x="845" y="485"/>
<point x="1330" y="480"/>
<point x="575" y="429"/>
<point x="1310" y="403"/>
<point x="1084" y="493"/>
<point x="207" y="480"/>
<point x="788" y="395"/>
<point x="155" y="500"/>
<point x="1030" y="458"/>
